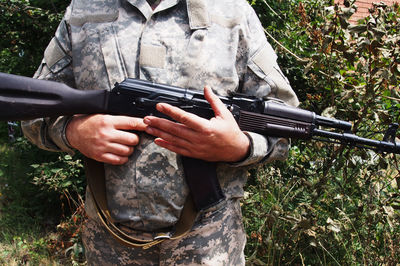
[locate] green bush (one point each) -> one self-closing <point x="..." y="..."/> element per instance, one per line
<point x="330" y="204"/>
<point x="30" y="207"/>
<point x="26" y="27"/>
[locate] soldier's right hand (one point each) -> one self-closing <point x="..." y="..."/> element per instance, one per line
<point x="104" y="138"/>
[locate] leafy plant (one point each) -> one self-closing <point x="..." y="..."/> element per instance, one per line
<point x="29" y="211"/>
<point x="329" y="204"/>
<point x="26" y="27"/>
<point x="63" y="176"/>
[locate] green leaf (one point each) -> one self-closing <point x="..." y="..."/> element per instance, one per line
<point x="66" y="184"/>
<point x="357" y="28"/>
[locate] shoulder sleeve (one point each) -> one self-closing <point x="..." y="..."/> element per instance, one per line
<point x="262" y="77"/>
<point x="49" y="133"/>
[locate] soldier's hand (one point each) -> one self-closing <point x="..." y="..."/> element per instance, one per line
<point x="217" y="139"/>
<point x="104" y="137"/>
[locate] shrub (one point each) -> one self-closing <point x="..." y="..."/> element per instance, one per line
<point x="330" y="204"/>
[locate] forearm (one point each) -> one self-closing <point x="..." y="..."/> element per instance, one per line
<point x="264" y="149"/>
<point x="48" y="133"/>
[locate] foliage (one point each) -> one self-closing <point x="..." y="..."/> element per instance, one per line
<point x="31" y="208"/>
<point x="62" y="176"/>
<point x="23" y="251"/>
<point x="327" y="204"/>
<point x="26" y="26"/>
<point x="330" y="204"/>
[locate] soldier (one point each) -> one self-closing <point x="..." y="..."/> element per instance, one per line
<point x="186" y="43"/>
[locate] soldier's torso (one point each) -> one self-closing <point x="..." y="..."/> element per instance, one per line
<point x="181" y="44"/>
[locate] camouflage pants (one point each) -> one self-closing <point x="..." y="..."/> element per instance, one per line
<point x="217" y="238"/>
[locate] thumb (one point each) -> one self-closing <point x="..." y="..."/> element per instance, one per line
<point x="217" y="105"/>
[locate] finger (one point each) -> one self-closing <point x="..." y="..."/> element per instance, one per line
<point x="113" y="159"/>
<point x="119" y="150"/>
<point x="128" y="123"/>
<point x="125" y="138"/>
<point x="174" y="148"/>
<point x="114" y="153"/>
<point x="174" y="139"/>
<point x="190" y="120"/>
<point x="217" y="105"/>
<point x="173" y="128"/>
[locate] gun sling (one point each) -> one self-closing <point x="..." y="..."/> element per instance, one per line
<point x="205" y="192"/>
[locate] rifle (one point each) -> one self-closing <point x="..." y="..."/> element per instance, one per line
<point x="23" y="98"/>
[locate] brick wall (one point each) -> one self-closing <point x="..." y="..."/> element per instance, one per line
<point x="364" y="5"/>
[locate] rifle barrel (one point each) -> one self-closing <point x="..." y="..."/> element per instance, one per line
<point x="354" y="140"/>
<point x="332" y="123"/>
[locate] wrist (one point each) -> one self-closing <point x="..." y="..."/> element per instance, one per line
<point x="65" y="134"/>
<point x="245" y="148"/>
<point x="70" y="131"/>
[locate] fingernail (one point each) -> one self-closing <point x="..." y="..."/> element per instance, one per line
<point x="160" y="107"/>
<point x="146" y="121"/>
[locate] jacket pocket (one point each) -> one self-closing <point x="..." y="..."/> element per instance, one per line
<point x="97" y="58"/>
<point x="160" y="184"/>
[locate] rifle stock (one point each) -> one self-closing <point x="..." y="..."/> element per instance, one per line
<point x="23" y="98"/>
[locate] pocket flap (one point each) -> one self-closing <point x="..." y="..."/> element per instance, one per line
<point x="94" y="11"/>
<point x="55" y="57"/>
<point x="263" y="62"/>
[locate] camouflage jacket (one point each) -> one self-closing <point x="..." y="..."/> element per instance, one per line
<point x="186" y="43"/>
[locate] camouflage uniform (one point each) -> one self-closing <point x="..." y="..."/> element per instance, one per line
<point x="186" y="43"/>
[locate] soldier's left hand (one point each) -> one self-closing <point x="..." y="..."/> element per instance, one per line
<point x="218" y="139"/>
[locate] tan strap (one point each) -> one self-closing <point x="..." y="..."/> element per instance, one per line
<point x="96" y="182"/>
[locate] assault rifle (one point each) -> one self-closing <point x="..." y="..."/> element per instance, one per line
<point x="24" y="98"/>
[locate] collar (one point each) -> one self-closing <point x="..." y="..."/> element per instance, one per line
<point x="154" y="3"/>
<point x="197" y="10"/>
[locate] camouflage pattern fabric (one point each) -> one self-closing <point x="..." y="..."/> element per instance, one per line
<point x="154" y="3"/>
<point x="186" y="43"/>
<point x="217" y="238"/>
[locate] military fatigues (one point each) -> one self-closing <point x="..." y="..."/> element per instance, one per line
<point x="190" y="44"/>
